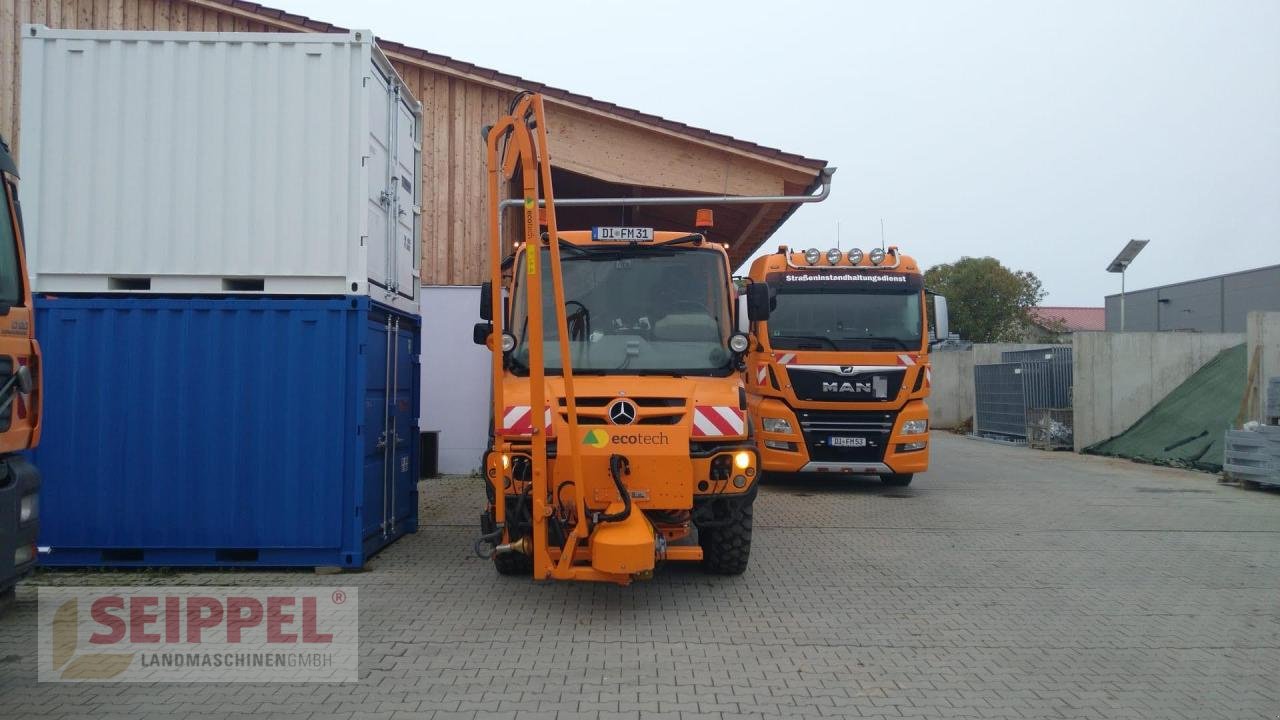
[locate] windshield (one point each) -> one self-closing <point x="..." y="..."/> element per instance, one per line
<point x="10" y="277"/>
<point x="634" y="310"/>
<point x="839" y="319"/>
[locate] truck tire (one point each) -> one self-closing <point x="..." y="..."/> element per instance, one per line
<point x="727" y="548"/>
<point x="513" y="564"/>
<point x="897" y="480"/>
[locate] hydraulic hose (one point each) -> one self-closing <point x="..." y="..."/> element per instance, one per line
<point x="618" y="466"/>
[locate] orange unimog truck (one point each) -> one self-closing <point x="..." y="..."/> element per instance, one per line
<point x="19" y="391"/>
<point x="619" y="437"/>
<point x="838" y="374"/>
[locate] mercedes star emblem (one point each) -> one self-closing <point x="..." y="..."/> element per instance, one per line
<point x="622" y="412"/>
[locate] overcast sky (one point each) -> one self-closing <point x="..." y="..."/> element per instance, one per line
<point x="1045" y="134"/>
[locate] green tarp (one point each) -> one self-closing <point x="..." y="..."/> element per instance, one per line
<point x="1185" y="429"/>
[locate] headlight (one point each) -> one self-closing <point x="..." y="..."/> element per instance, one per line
<point x="508" y="342"/>
<point x="506" y="461"/>
<point x="833" y="256"/>
<point x="28" y="507"/>
<point x="914" y="427"/>
<point x="908" y="447"/>
<point x="742" y="459"/>
<point x="877" y="256"/>
<point x="776" y="425"/>
<point x="855" y="256"/>
<point x="812" y="255"/>
<point x="738" y="342"/>
<point x="24" y="554"/>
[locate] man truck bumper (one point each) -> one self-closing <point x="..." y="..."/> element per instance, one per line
<point x="856" y="442"/>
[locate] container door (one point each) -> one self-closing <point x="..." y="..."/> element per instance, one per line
<point x="407" y="155"/>
<point x="382" y="200"/>
<point x="390" y="496"/>
<point x="402" y="472"/>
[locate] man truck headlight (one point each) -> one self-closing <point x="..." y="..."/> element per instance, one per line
<point x="833" y="256"/>
<point x="742" y="460"/>
<point x="877" y="256"/>
<point x="908" y="447"/>
<point x="812" y="255"/>
<point x="914" y="427"/>
<point x="508" y="342"/>
<point x="28" y="507"/>
<point x="776" y="425"/>
<point x="855" y="256"/>
<point x="738" y="342"/>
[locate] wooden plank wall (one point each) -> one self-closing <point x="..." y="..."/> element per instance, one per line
<point x="454" y="237"/>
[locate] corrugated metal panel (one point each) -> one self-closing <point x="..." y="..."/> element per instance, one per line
<point x="195" y="161"/>
<point x="238" y="431"/>
<point x="1054" y="388"/>
<point x="1004" y="393"/>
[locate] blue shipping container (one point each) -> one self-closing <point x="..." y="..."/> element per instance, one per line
<point x="226" y="431"/>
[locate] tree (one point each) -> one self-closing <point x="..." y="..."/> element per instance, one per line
<point x="987" y="302"/>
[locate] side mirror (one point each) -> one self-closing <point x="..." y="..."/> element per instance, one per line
<point x="759" y="302"/>
<point x="25" y="382"/>
<point x="480" y="333"/>
<point x="486" y="301"/>
<point x="941" y="325"/>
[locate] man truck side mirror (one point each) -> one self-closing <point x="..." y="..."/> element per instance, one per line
<point x="480" y="333"/>
<point x="486" y="301"/>
<point x="941" y="325"/>
<point x="759" y="302"/>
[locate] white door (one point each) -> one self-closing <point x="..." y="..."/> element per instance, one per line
<point x="407" y="163"/>
<point x="381" y="200"/>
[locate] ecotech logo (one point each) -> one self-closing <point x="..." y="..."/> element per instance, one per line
<point x="198" y="634"/>
<point x="601" y="439"/>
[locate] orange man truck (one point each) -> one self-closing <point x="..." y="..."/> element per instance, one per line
<point x="838" y="373"/>
<point x="19" y="393"/>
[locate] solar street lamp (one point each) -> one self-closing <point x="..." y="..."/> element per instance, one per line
<point x="1121" y="263"/>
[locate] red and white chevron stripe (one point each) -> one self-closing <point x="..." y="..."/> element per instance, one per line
<point x="784" y="358"/>
<point x="518" y="420"/>
<point x="718" y="420"/>
<point x="762" y="374"/>
<point x="928" y="376"/>
<point x="905" y="359"/>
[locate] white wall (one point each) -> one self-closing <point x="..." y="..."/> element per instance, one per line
<point x="455" y="376"/>
<point x="1264" y="331"/>
<point x="1120" y="376"/>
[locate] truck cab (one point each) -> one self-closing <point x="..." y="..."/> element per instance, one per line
<point x="661" y="406"/>
<point x="838" y="374"/>
<point x="19" y="391"/>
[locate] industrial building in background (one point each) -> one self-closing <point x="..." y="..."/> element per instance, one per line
<point x="1210" y="305"/>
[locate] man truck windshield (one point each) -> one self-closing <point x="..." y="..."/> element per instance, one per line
<point x="632" y="311"/>
<point x="837" y="319"/>
<point x="10" y="274"/>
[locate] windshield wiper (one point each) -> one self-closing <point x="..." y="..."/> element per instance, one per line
<point x="692" y="237"/>
<point x="822" y="338"/>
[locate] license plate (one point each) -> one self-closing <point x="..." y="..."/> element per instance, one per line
<point x="847" y="442"/>
<point x="622" y="234"/>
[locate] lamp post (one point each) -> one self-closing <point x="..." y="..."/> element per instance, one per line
<point x="1121" y="263"/>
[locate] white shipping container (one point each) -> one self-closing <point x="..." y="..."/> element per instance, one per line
<point x="175" y="162"/>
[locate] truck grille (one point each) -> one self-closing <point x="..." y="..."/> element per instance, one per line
<point x="870" y="386"/>
<point x="819" y="426"/>
<point x="652" y="410"/>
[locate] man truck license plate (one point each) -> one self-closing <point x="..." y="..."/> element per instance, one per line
<point x="848" y="442"/>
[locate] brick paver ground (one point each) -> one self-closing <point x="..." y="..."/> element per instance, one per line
<point x="1007" y="583"/>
